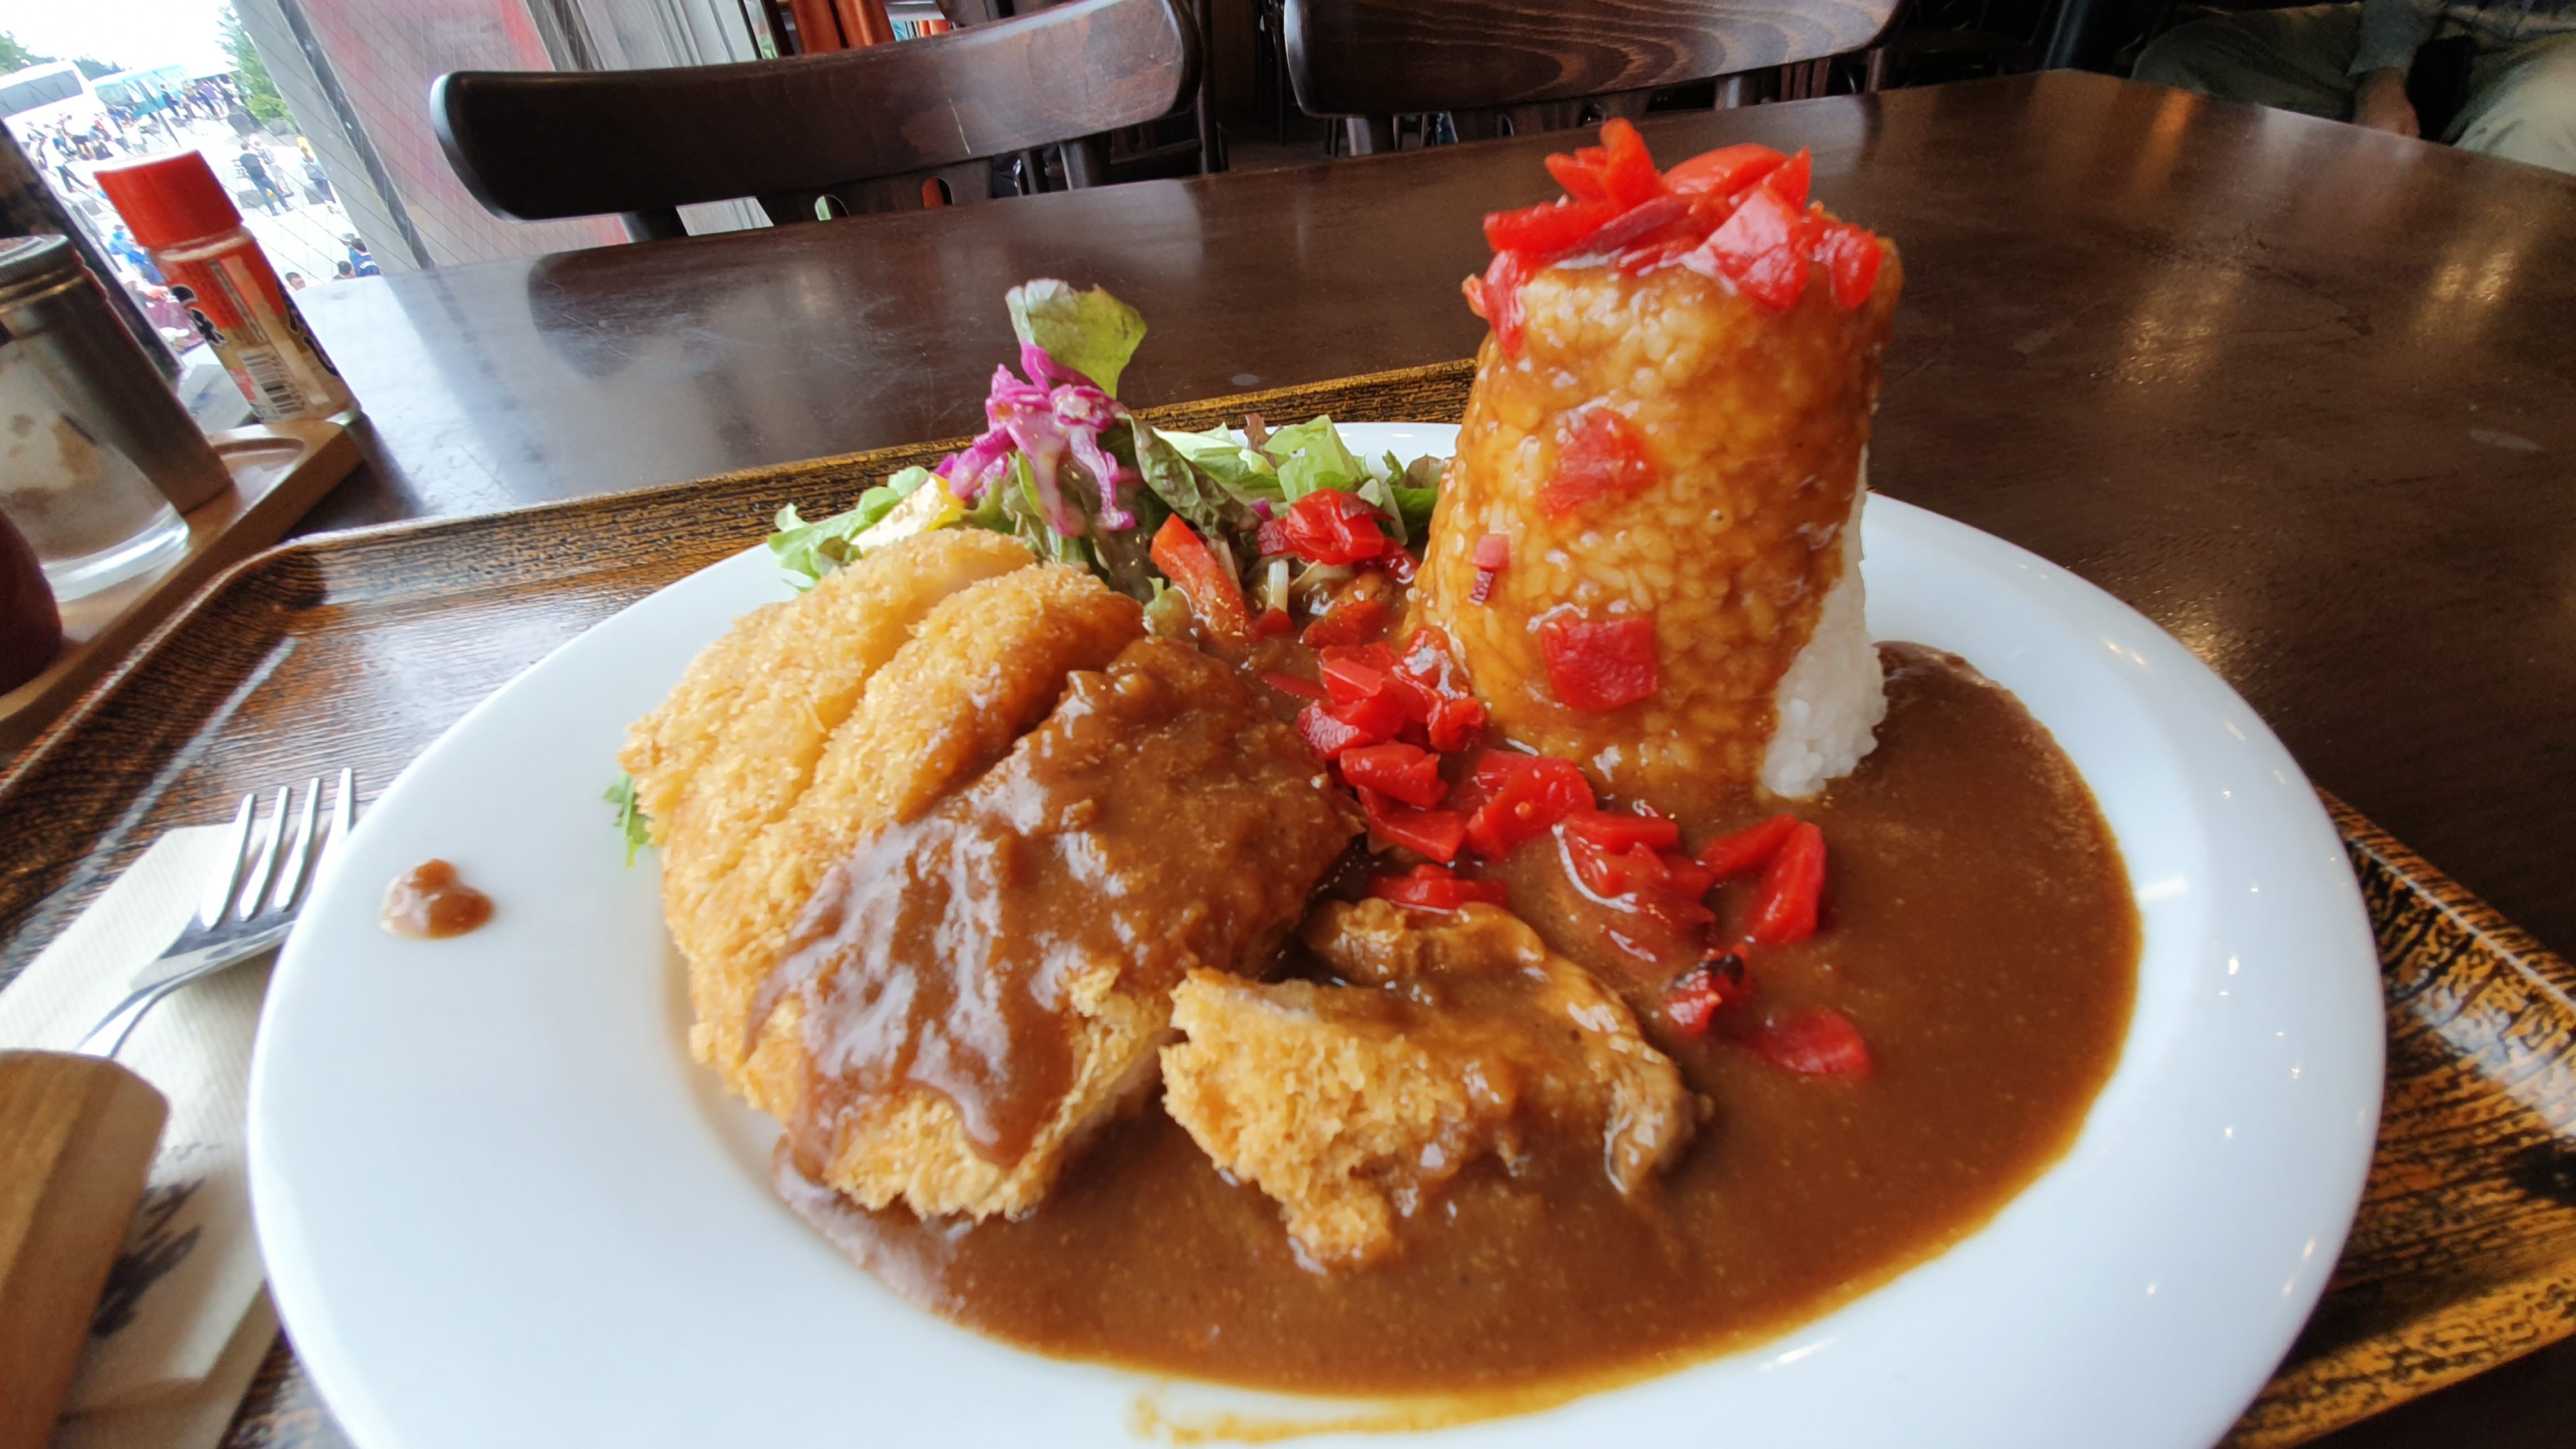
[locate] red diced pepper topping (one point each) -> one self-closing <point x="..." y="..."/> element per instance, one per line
<point x="1612" y="873"/>
<point x="1627" y="170"/>
<point x="1209" y="586"/>
<point x="1598" y="664"/>
<point x="1435" y="833"/>
<point x="1579" y="174"/>
<point x="1355" y="620"/>
<point x="1789" y="182"/>
<point x="1328" y="526"/>
<point x="1548" y="231"/>
<point x="1851" y="256"/>
<point x="1455" y="723"/>
<point x="1328" y="735"/>
<point x="1644" y="219"/>
<point x="1380" y="715"/>
<point x="1436" y="888"/>
<point x="1817" y="1042"/>
<point x="1272" y="623"/>
<point x="1292" y="684"/>
<point x="1493" y="552"/>
<point x="1599" y="454"/>
<point x="1523" y="797"/>
<point x="1747" y="850"/>
<point x="1762" y="249"/>
<point x="1271" y="537"/>
<point x="1398" y="771"/>
<point x="1699" y="994"/>
<point x="1499" y="299"/>
<point x="1613" y="832"/>
<point x="1724" y="171"/>
<point x="1793" y="887"/>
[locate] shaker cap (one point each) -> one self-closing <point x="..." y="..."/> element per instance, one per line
<point x="169" y="201"/>
<point x="26" y="259"/>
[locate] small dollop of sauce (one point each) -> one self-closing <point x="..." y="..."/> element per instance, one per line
<point x="429" y="902"/>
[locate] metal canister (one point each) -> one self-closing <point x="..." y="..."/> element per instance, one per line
<point x="53" y="308"/>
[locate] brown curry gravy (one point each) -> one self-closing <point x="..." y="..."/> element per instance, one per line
<point x="1980" y="933"/>
<point x="429" y="903"/>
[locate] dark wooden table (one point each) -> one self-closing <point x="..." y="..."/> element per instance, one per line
<point x="2300" y="392"/>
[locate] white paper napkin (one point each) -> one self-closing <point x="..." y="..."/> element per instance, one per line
<point x="190" y="1269"/>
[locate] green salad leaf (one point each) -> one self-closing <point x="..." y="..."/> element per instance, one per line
<point x="1223" y="457"/>
<point x="1091" y="332"/>
<point x="1202" y="501"/>
<point x="1311" y="456"/>
<point x="631" y="820"/>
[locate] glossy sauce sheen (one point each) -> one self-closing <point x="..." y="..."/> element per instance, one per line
<point x="1979" y="931"/>
<point x="428" y="902"/>
<point x="941" y="956"/>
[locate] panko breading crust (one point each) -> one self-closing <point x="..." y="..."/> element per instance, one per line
<point x="817" y="723"/>
<point x="1347" y="1112"/>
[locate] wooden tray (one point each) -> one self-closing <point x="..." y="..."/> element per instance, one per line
<point x="361" y="648"/>
<point x="279" y="471"/>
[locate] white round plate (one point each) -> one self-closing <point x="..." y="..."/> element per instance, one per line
<point x="501" y="1207"/>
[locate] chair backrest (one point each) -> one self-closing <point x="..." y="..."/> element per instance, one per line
<point x="1376" y="58"/>
<point x="867" y="127"/>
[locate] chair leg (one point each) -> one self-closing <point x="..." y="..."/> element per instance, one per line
<point x="1369" y="135"/>
<point x="1086" y="163"/>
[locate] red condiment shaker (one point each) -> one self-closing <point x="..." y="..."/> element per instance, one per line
<point x="31" y="628"/>
<point x="182" y="216"/>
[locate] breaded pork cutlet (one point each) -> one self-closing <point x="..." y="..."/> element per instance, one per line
<point x="1461" y="1037"/>
<point x="983" y="988"/>
<point x="785" y="746"/>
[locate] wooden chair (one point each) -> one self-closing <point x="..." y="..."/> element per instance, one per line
<point x="876" y="129"/>
<point x="1542" y="64"/>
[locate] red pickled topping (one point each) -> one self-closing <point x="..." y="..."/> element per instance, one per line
<point x="1761" y="248"/>
<point x="1851" y="256"/>
<point x="1644" y="219"/>
<point x="1520" y="798"/>
<point x="1792" y="890"/>
<point x="1699" y="994"/>
<point x="1789" y="182"/>
<point x="1599" y="664"/>
<point x="1627" y="169"/>
<point x="1436" y="888"/>
<point x="1817" y="1042"/>
<point x="1293" y="684"/>
<point x="1434" y="833"/>
<point x="1355" y="620"/>
<point x="1579" y="175"/>
<point x="1546" y="231"/>
<point x="1599" y="454"/>
<point x="1493" y="552"/>
<point x="1398" y="771"/>
<point x="1328" y="526"/>
<point x="1623" y="832"/>
<point x="1273" y="622"/>
<point x="1210" y="587"/>
<point x="1328" y="735"/>
<point x="1724" y="171"/>
<point x="1502" y="299"/>
<point x="1747" y="850"/>
<point x="1455" y="724"/>
<point x="1271" y="537"/>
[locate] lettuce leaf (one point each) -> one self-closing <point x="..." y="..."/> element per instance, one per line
<point x="1223" y="458"/>
<point x="1311" y="456"/>
<point x="631" y="820"/>
<point x="1202" y="502"/>
<point x="1091" y="332"/>
<point x="810" y="550"/>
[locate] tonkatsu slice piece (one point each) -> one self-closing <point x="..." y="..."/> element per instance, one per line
<point x="980" y="988"/>
<point x="1459" y="1037"/>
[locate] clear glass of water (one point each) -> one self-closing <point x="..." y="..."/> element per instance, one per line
<point x="92" y="517"/>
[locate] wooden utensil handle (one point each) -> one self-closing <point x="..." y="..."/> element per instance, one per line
<point x="77" y="1136"/>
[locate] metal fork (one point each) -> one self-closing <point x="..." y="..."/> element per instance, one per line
<point x="272" y="861"/>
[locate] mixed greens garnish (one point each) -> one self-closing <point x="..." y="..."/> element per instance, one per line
<point x="1064" y="467"/>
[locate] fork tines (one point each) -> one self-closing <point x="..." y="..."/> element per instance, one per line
<point x="272" y="856"/>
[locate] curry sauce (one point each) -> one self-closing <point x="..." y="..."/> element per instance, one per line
<point x="1979" y="932"/>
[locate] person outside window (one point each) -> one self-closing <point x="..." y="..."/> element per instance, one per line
<point x="361" y="263"/>
<point x="2349" y="62"/>
<point x="255" y="171"/>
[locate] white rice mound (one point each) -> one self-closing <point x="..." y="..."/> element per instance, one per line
<point x="1833" y="695"/>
